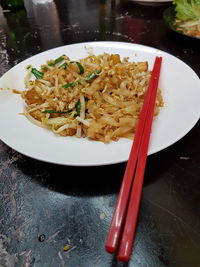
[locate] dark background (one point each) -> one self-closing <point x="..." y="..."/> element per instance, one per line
<point x="73" y="205"/>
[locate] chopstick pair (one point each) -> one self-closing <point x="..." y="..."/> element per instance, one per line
<point x="128" y="202"/>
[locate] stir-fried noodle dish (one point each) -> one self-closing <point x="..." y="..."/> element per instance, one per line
<point x="98" y="97"/>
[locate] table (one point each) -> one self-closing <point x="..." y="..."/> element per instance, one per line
<point x="47" y="209"/>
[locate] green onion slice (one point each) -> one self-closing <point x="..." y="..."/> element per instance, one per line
<point x="56" y="61"/>
<point x="38" y="74"/>
<point x="55" y="111"/>
<point x="67" y="85"/>
<point x="92" y="75"/>
<point x="28" y="67"/>
<point x="64" y="65"/>
<point x="81" y="69"/>
<point x="44" y="68"/>
<point x="78" y="107"/>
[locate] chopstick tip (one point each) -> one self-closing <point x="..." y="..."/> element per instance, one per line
<point x="109" y="249"/>
<point x="123" y="258"/>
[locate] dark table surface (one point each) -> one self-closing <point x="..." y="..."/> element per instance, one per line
<point x="44" y="207"/>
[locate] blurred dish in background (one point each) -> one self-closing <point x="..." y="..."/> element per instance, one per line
<point x="169" y="16"/>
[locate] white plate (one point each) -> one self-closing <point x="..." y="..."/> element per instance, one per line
<point x="180" y="88"/>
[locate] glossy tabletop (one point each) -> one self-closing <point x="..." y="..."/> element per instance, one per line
<point x="53" y="215"/>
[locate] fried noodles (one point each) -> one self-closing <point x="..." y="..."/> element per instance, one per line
<point x="98" y="97"/>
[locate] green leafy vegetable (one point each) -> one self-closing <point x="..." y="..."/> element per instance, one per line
<point x="56" y="61"/>
<point x="78" y="107"/>
<point x="187" y="9"/>
<point x="92" y="75"/>
<point x="38" y="74"/>
<point x="55" y="111"/>
<point x="81" y="69"/>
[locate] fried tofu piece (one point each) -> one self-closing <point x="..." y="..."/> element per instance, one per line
<point x="32" y="97"/>
<point x="142" y="66"/>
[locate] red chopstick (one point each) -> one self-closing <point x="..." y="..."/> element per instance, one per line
<point x="137" y="157"/>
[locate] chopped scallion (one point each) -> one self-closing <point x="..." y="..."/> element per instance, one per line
<point x="64" y="65"/>
<point x="55" y="111"/>
<point x="67" y="85"/>
<point x="28" y="67"/>
<point x="92" y="75"/>
<point x="78" y="107"/>
<point x="44" y="68"/>
<point x="38" y="74"/>
<point x="56" y="61"/>
<point x="81" y="69"/>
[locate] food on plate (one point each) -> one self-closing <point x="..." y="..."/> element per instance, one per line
<point x="98" y="97"/>
<point x="187" y="14"/>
